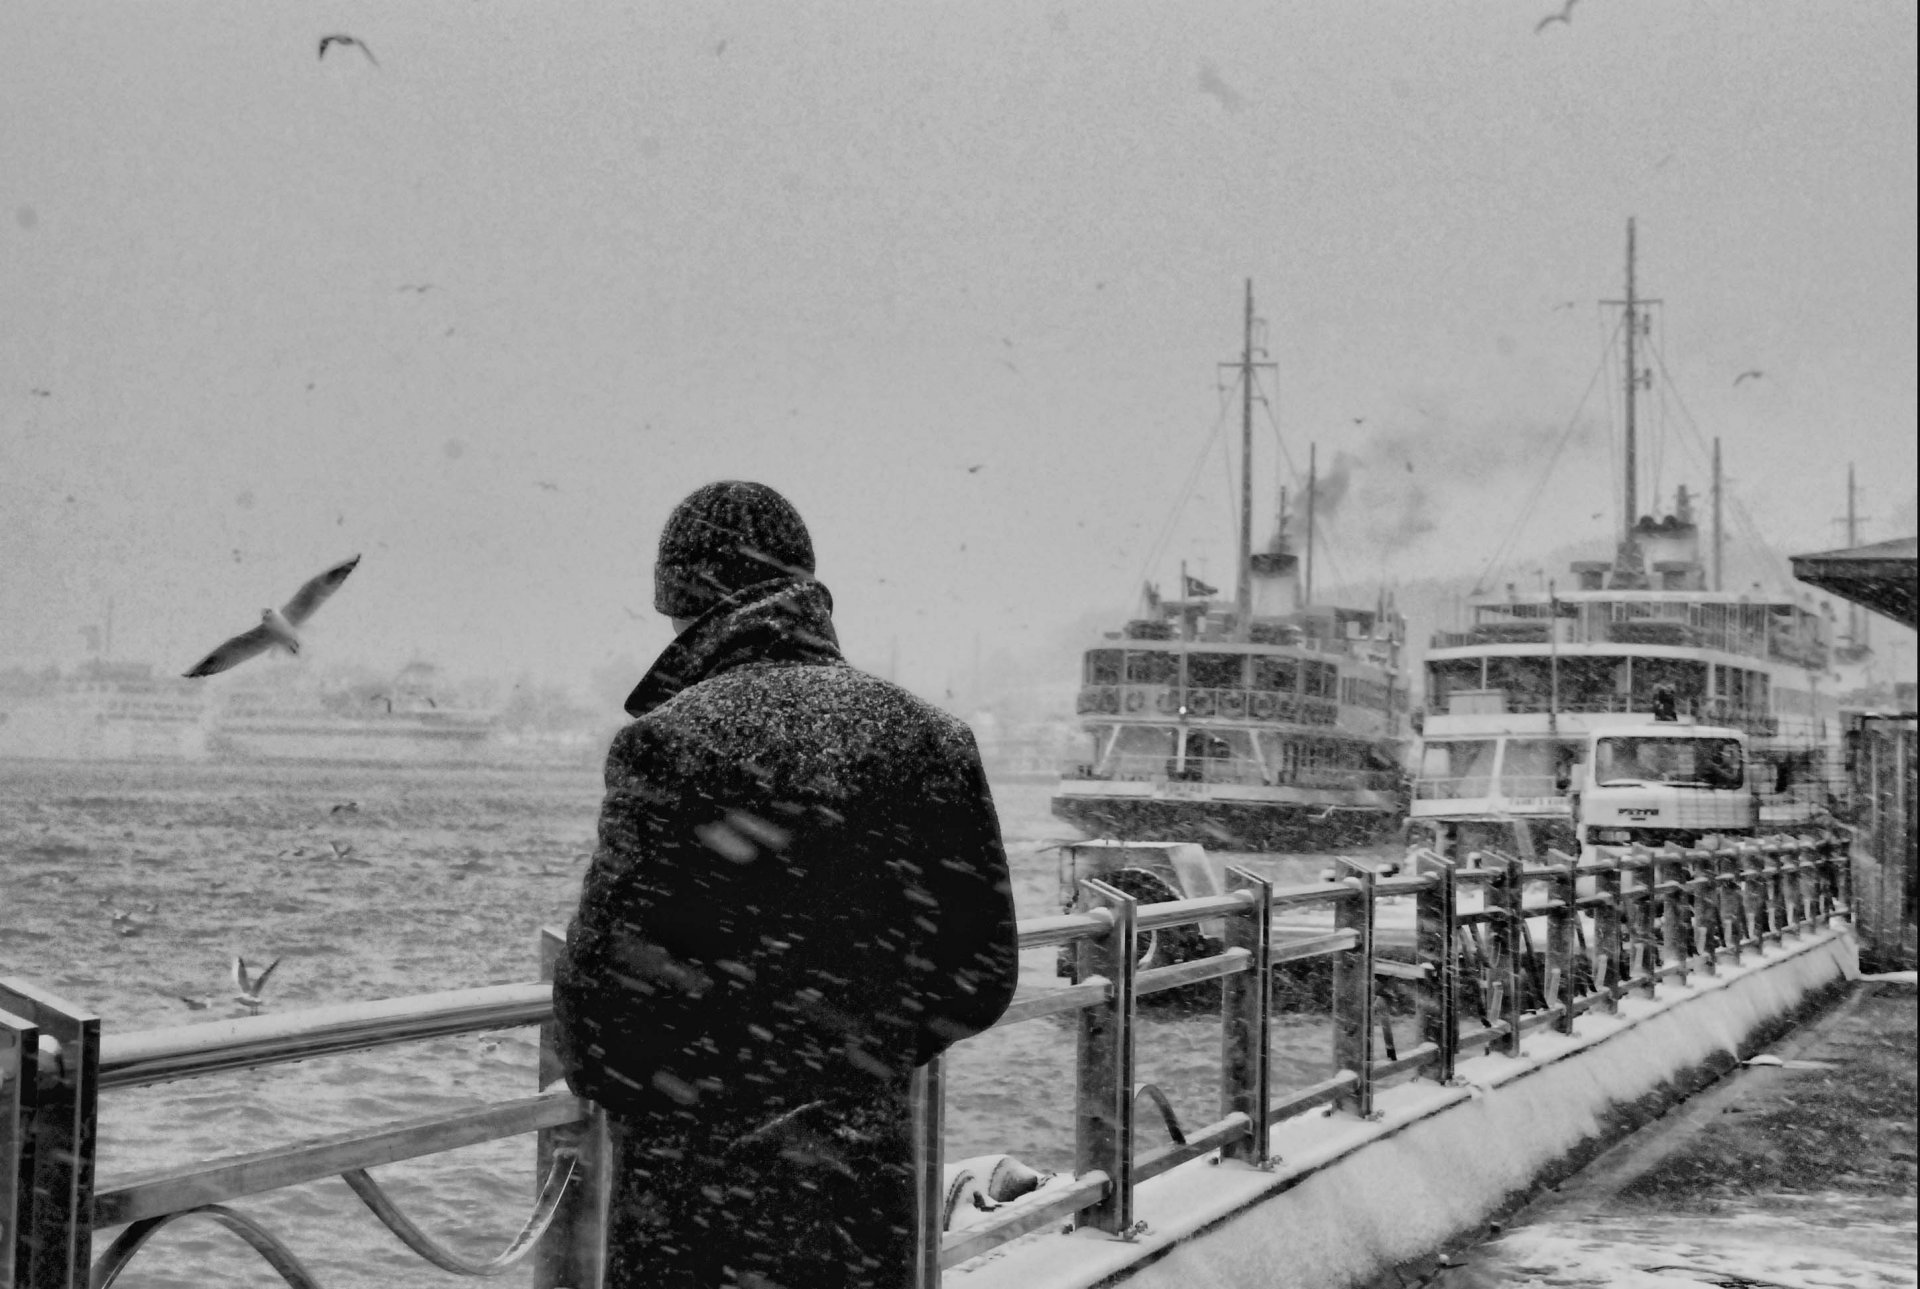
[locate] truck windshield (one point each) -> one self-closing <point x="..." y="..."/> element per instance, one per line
<point x="1698" y="762"/>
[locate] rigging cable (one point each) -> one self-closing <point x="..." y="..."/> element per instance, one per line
<point x="1186" y="491"/>
<point x="1533" y="502"/>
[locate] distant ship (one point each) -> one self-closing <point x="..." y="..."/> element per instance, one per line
<point x="412" y="722"/>
<point x="101" y="711"/>
<point x="1648" y="634"/>
<point x="1265" y="722"/>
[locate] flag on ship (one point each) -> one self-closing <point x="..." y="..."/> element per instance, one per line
<point x="1195" y="587"/>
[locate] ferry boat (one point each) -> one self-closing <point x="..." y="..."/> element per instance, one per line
<point x="409" y="724"/>
<point x="1511" y="699"/>
<point x="1261" y="723"/>
<point x="101" y="710"/>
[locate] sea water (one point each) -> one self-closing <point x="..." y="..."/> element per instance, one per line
<point x="129" y="888"/>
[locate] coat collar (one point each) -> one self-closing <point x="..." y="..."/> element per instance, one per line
<point x="786" y="620"/>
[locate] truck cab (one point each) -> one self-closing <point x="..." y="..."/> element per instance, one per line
<point x="1664" y="782"/>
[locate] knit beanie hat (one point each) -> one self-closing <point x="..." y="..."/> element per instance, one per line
<point x="723" y="537"/>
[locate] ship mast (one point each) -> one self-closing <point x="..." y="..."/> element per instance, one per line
<point x="1633" y="384"/>
<point x="1243" y="587"/>
<point x="1243" y="584"/>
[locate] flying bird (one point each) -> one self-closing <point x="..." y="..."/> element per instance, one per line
<point x="249" y="987"/>
<point x="1745" y="375"/>
<point x="1565" y="15"/>
<point x="357" y="43"/>
<point x="277" y="626"/>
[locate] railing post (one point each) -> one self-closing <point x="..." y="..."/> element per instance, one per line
<point x="1775" y="888"/>
<point x="19" y="1086"/>
<point x="1246" y="1016"/>
<point x="1353" y="987"/>
<point x="1641" y="914"/>
<point x="1607" y="915"/>
<point x="1703" y="907"/>
<point x="572" y="1253"/>
<point x="62" y="1130"/>
<point x="1727" y="898"/>
<point x="1670" y="888"/>
<point x="1434" y="934"/>
<point x="1561" y="925"/>
<point x="1103" y="1111"/>
<point x="929" y="1098"/>
<point x="1840" y="853"/>
<point x="1511" y="927"/>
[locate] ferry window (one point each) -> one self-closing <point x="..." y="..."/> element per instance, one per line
<point x="1528" y="682"/>
<point x="1216" y="670"/>
<point x="1320" y="680"/>
<point x="1153" y="668"/>
<point x="1537" y="767"/>
<point x="1444" y="678"/>
<point x="1687" y="677"/>
<point x="1103" y="666"/>
<point x="1589" y="684"/>
<point x="1466" y="763"/>
<point x="1708" y="763"/>
<point x="1276" y="673"/>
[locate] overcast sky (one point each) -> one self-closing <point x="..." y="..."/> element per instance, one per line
<point x="955" y="278"/>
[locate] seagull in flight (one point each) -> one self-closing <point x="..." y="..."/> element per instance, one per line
<point x="249" y="987"/>
<point x="357" y="43"/>
<point x="277" y="626"/>
<point x="1565" y="15"/>
<point x="1748" y="375"/>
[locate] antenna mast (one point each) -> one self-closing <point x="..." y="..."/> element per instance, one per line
<point x="1312" y="488"/>
<point x="1719" y="537"/>
<point x="1633" y="384"/>
<point x="1243" y="588"/>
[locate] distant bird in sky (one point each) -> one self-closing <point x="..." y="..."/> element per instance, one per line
<point x="195" y="1004"/>
<point x="357" y="43"/>
<point x="550" y="487"/>
<point x="1564" y="304"/>
<point x="249" y="987"/>
<point x="345" y="808"/>
<point x="277" y="626"/>
<point x="1212" y="84"/>
<point x="418" y="288"/>
<point x="1565" y="15"/>
<point x="41" y="393"/>
<point x="1754" y="374"/>
<point x="975" y="469"/>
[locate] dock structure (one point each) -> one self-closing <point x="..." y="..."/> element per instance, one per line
<point x="1501" y="985"/>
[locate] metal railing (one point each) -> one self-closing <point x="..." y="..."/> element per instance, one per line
<point x="1623" y="923"/>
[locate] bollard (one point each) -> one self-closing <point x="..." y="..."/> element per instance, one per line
<point x="1103" y="1114"/>
<point x="1246" y="1012"/>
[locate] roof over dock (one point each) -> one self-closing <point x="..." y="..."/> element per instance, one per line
<point x="1880" y="576"/>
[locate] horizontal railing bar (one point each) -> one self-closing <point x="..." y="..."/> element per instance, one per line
<point x="1423" y="1055"/>
<point x="1314" y="945"/>
<point x="1151" y="917"/>
<point x="1545" y="1016"/>
<point x="1154" y="979"/>
<point x="1310" y="1096"/>
<point x="1481" y="1037"/>
<point x="1051" y="1002"/>
<point x="170" y="1190"/>
<point x="1038" y="933"/>
<point x="1322" y="893"/>
<point x="156" y="1055"/>
<point x="1085" y="1191"/>
<point x="1402" y="970"/>
<point x="1474" y="876"/>
<point x="1406" y="884"/>
<point x="1162" y="1159"/>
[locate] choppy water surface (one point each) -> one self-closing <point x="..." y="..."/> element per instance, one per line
<point x="128" y="889"/>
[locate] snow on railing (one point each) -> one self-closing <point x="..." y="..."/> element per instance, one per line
<point x="1624" y="922"/>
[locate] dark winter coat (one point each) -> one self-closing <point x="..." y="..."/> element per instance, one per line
<point x="798" y="896"/>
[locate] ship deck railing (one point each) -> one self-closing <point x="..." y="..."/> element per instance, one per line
<point x="1674" y="632"/>
<point x="1142" y="767"/>
<point x="1626" y="922"/>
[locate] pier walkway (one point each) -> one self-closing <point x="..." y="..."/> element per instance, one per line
<point x="1797" y="1175"/>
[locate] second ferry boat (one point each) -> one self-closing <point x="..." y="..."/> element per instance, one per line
<point x="1648" y="635"/>
<point x="1265" y="722"/>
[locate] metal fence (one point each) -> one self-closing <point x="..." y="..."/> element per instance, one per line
<point x="1624" y="923"/>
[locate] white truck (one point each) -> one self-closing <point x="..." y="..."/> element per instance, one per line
<point x="1664" y="781"/>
